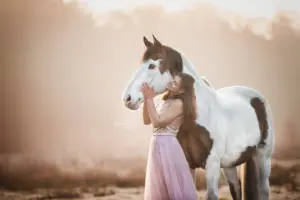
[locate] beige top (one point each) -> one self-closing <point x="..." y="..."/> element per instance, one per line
<point x="172" y="127"/>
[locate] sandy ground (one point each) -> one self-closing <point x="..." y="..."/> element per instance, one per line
<point x="112" y="193"/>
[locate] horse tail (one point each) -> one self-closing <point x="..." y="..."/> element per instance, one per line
<point x="261" y="113"/>
<point x="249" y="180"/>
<point x="250" y="173"/>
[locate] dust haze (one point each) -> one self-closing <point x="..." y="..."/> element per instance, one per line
<point x="62" y="75"/>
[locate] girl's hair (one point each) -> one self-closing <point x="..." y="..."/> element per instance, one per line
<point x="187" y="97"/>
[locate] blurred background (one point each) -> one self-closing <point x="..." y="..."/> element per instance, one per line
<point x="64" y="65"/>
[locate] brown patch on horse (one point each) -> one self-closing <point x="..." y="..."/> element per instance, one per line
<point x="154" y="53"/>
<point x="245" y="156"/>
<point x="260" y="110"/>
<point x="171" y="59"/>
<point x="196" y="144"/>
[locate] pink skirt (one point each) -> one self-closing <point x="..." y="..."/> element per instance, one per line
<point x="168" y="175"/>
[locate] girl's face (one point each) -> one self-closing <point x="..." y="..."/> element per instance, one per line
<point x="175" y="85"/>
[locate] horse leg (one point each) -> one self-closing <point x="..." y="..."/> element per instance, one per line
<point x="263" y="163"/>
<point x="212" y="169"/>
<point x="234" y="182"/>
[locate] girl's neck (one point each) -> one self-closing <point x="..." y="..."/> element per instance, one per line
<point x="172" y="95"/>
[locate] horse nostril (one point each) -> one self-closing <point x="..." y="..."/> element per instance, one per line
<point x="128" y="98"/>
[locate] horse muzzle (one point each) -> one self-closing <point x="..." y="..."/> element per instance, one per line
<point x="129" y="103"/>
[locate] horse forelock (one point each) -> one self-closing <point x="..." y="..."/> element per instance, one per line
<point x="153" y="53"/>
<point x="172" y="58"/>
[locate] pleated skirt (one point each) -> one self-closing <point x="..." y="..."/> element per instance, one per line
<point x="168" y="175"/>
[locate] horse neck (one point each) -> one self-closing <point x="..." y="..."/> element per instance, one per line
<point x="205" y="95"/>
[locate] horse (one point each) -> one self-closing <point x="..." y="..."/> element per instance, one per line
<point x="233" y="125"/>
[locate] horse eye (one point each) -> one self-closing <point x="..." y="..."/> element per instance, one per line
<point x="151" y="66"/>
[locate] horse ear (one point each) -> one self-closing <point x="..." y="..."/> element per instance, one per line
<point x="156" y="42"/>
<point x="147" y="42"/>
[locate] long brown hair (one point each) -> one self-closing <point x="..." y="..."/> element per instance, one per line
<point x="187" y="97"/>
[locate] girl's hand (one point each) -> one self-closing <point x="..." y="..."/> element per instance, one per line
<point x="147" y="91"/>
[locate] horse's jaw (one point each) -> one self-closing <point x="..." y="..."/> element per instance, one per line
<point x="133" y="107"/>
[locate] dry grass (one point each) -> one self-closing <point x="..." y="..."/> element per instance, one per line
<point x="61" y="194"/>
<point x="286" y="174"/>
<point x="101" y="192"/>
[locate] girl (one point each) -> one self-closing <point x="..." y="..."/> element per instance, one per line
<point x="168" y="175"/>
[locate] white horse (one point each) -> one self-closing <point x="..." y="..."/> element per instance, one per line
<point x="233" y="125"/>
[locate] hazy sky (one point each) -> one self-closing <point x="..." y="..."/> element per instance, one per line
<point x="247" y="8"/>
<point x="238" y="13"/>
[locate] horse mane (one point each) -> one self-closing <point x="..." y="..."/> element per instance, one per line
<point x="192" y="70"/>
<point x="207" y="82"/>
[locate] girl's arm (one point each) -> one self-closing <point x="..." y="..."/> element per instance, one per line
<point x="146" y="117"/>
<point x="172" y="112"/>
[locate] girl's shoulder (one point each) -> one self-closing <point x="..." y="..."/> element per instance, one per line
<point x="174" y="102"/>
<point x="177" y="100"/>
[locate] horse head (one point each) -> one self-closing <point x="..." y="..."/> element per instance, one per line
<point x="159" y="65"/>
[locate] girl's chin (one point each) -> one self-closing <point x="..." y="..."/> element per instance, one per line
<point x="170" y="90"/>
<point x="173" y="91"/>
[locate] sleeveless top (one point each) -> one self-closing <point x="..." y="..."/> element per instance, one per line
<point x="172" y="127"/>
